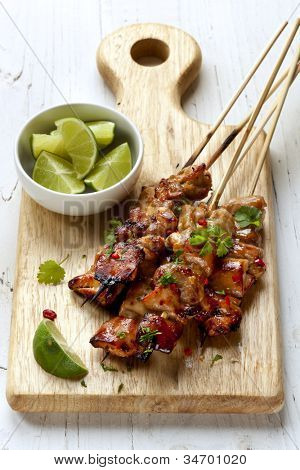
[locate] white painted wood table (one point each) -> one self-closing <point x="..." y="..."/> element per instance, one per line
<point x="47" y="56"/>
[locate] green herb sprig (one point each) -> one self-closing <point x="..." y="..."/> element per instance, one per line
<point x="148" y="334"/>
<point x="108" y="368"/>
<point x="110" y="237"/>
<point x="51" y="272"/>
<point x="215" y="359"/>
<point x="247" y="215"/>
<point x="212" y="236"/>
<point x="167" y="279"/>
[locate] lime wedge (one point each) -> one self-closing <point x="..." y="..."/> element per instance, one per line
<point x="51" y="143"/>
<point x="110" y="169"/>
<point x="80" y="144"/>
<point x="103" y="132"/>
<point x="55" y="173"/>
<point x="53" y="354"/>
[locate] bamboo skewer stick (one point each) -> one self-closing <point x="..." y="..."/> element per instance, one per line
<point x="219" y="120"/>
<point x="262" y="124"/>
<point x="274" y="122"/>
<point x="239" y="127"/>
<point x="218" y="193"/>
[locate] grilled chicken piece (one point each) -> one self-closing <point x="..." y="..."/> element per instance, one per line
<point x="250" y="236"/>
<point x="127" y="337"/>
<point x="219" y="315"/>
<point x="161" y="223"/>
<point x="222" y="218"/>
<point x="118" y="336"/>
<point x="167" y="329"/>
<point x="253" y="254"/>
<point x="193" y="182"/>
<point x="190" y="215"/>
<point x="252" y="201"/>
<point x="231" y="277"/>
<point x="119" y="267"/>
<point x="133" y="305"/>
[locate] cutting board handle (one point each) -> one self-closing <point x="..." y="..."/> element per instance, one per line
<point x="175" y="55"/>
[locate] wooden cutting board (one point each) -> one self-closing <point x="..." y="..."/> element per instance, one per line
<point x="249" y="377"/>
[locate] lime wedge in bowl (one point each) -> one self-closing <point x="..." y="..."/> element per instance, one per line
<point x="53" y="172"/>
<point x="111" y="169"/>
<point x="51" y="143"/>
<point x="103" y="132"/>
<point x="54" y="355"/>
<point x="80" y="143"/>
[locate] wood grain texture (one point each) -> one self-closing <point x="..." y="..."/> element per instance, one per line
<point x="248" y="379"/>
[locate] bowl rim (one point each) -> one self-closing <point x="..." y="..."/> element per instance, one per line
<point x="80" y="195"/>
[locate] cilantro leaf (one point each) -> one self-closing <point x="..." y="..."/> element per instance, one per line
<point x="148" y="334"/>
<point x="110" y="232"/>
<point x="216" y="358"/>
<point x="51" y="272"/>
<point x="223" y="245"/>
<point x="121" y="334"/>
<point x="108" y="368"/>
<point x="248" y="215"/>
<point x="199" y="236"/>
<point x="176" y="256"/>
<point x="167" y="278"/>
<point x="210" y="237"/>
<point x="206" y="249"/>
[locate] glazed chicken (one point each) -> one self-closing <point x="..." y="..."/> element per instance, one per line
<point x="139" y="242"/>
<point x="189" y="283"/>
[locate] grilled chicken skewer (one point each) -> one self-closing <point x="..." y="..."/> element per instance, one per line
<point x="140" y="241"/>
<point x="206" y="287"/>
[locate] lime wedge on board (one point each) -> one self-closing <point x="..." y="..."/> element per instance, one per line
<point x="80" y="143"/>
<point x="51" y="143"/>
<point x="103" y="132"/>
<point x="53" y="172"/>
<point x="53" y="354"/>
<point x="110" y="169"/>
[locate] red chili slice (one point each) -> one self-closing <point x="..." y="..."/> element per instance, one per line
<point x="260" y="262"/>
<point x="237" y="277"/>
<point x="227" y="300"/>
<point x="188" y="352"/>
<point x="202" y="222"/>
<point x="115" y="256"/>
<point x="50" y="314"/>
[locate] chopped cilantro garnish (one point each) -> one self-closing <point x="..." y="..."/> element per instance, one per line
<point x="121" y="334"/>
<point x="248" y="215"/>
<point x="210" y="237"/>
<point x="110" y="232"/>
<point x="167" y="278"/>
<point x="148" y="334"/>
<point x="177" y="256"/>
<point x="108" y="368"/>
<point x="216" y="358"/>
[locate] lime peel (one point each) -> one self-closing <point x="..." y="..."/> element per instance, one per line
<point x="52" y="353"/>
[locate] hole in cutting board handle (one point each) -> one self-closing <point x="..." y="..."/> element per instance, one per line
<point x="150" y="52"/>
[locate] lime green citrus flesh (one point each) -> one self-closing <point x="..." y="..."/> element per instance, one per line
<point x="52" y="353"/>
<point x="80" y="143"/>
<point x="103" y="132"/>
<point x="51" y="143"/>
<point x="53" y="172"/>
<point x="111" y="169"/>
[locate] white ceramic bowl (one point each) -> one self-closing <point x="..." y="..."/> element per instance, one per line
<point x="88" y="202"/>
